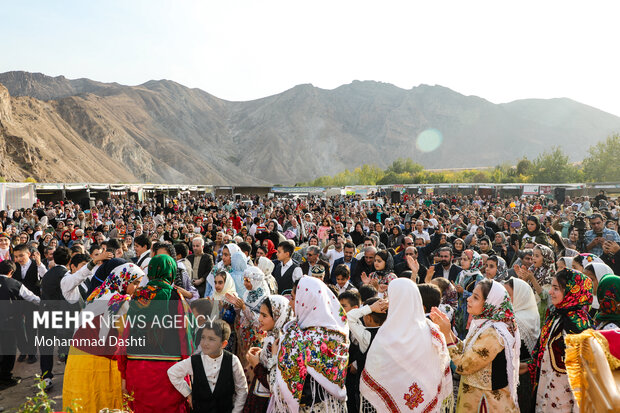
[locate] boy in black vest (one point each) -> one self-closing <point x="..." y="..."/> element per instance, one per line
<point x="286" y="271"/>
<point x="218" y="381"/>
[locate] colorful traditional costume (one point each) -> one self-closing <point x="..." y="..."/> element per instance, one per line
<point x="313" y="354"/>
<point x="92" y="380"/>
<point x="408" y="365"/>
<point x="488" y="359"/>
<point x="146" y="363"/>
<point x="547" y="368"/>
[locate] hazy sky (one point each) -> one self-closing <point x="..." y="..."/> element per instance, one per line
<point x="241" y="50"/>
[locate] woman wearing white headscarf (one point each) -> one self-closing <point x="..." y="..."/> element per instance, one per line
<point x="596" y="271"/>
<point x="528" y="321"/>
<point x="313" y="354"/>
<point x="488" y="358"/>
<point x="276" y="312"/>
<point x="224" y="265"/>
<point x="267" y="266"/>
<point x="408" y="365"/>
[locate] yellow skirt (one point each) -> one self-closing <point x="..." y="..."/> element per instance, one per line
<point x="91" y="383"/>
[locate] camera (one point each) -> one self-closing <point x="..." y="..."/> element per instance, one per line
<point x="580" y="224"/>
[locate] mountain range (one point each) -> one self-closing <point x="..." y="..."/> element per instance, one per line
<point x="79" y="130"/>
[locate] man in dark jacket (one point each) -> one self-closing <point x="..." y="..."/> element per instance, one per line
<point x="366" y="264"/>
<point x="10" y="291"/>
<point x="445" y="268"/>
<point x="52" y="299"/>
<point x="28" y="270"/>
<point x="312" y="259"/>
<point x="349" y="260"/>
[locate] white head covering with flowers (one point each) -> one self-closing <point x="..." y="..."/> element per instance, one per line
<point x="317" y="345"/>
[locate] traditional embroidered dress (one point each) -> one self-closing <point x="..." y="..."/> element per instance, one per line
<point x="408" y="365"/>
<point x="488" y="359"/>
<point x="264" y="373"/>
<point x="145" y="367"/>
<point x="91" y="377"/>
<point x="313" y="354"/>
<point x="547" y="369"/>
<point x="608" y="293"/>
<point x="248" y="334"/>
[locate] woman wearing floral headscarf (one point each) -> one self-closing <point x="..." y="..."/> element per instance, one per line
<point x="488" y="358"/>
<point x="313" y="354"/>
<point x="466" y="281"/>
<point x="539" y="276"/>
<point x="275" y="313"/>
<point x="571" y="296"/>
<point x="162" y="345"/>
<point x="608" y="293"/>
<point x="92" y="375"/>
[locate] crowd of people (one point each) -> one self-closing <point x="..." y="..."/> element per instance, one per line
<point x="311" y="304"/>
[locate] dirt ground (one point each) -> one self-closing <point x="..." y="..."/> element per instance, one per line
<point x="12" y="398"/>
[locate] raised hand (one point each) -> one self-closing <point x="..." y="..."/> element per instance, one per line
<point x="413" y="264"/>
<point x="429" y="274"/>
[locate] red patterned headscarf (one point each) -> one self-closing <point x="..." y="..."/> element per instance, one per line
<point x="572" y="312"/>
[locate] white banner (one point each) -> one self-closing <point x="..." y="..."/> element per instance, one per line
<point x="530" y="189"/>
<point x="17" y="195"/>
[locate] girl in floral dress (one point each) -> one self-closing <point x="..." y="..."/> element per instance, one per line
<point x="488" y="358"/>
<point x="313" y="354"/>
<point x="246" y="326"/>
<point x="275" y="313"/>
<point x="571" y="296"/>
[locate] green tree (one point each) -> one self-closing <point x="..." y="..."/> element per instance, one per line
<point x="553" y="167"/>
<point x="524" y="166"/>
<point x="603" y="162"/>
<point x="401" y="165"/>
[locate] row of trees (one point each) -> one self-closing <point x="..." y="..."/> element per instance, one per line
<point x="602" y="164"/>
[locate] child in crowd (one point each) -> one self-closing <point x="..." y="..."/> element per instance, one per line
<point x="343" y="277"/>
<point x="350" y="300"/>
<point x="201" y="309"/>
<point x="367" y="292"/>
<point x="449" y="297"/>
<point x="218" y="382"/>
<point x="431" y="297"/>
<point x="364" y="323"/>
<point x="275" y="313"/>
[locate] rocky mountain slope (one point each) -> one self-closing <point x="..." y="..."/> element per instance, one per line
<point x="59" y="129"/>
